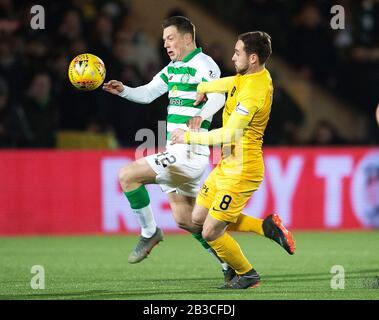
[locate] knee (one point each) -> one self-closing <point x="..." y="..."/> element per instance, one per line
<point x="125" y="176"/>
<point x="208" y="234"/>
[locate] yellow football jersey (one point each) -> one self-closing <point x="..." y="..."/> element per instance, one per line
<point x="245" y="118"/>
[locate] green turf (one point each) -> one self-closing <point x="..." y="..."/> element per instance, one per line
<point x="97" y="268"/>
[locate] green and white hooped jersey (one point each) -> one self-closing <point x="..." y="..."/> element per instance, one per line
<point x="181" y="79"/>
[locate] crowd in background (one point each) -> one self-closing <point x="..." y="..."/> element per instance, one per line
<point x="36" y="99"/>
<point x="344" y="61"/>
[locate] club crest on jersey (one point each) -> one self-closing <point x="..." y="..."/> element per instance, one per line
<point x="241" y="109"/>
<point x="185" y="78"/>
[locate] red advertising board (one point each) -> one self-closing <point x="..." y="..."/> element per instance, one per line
<point x="77" y="192"/>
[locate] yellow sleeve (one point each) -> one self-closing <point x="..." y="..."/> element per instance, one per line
<point x="219" y="85"/>
<point x="249" y="101"/>
<point x="232" y="131"/>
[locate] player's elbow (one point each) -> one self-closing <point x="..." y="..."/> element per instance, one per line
<point x="147" y="99"/>
<point x="149" y="95"/>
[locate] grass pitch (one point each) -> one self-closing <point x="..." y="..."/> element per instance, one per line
<point x="97" y="268"/>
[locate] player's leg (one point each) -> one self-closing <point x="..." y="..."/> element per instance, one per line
<point x="185" y="174"/>
<point x="229" y="201"/>
<point x="274" y="229"/>
<point x="246" y="223"/>
<point x="182" y="206"/>
<point x="204" y="201"/>
<point x="271" y="227"/>
<point x="228" y="249"/>
<point x="132" y="178"/>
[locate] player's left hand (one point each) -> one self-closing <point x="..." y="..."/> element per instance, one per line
<point x="177" y="136"/>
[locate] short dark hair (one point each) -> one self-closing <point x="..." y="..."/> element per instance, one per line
<point x="183" y="24"/>
<point x="257" y="42"/>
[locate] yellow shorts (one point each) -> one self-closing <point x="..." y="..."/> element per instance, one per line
<point x="225" y="196"/>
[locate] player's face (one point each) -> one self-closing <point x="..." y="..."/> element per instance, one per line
<point x="241" y="58"/>
<point x="174" y="43"/>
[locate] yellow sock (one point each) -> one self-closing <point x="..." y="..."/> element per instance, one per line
<point x="247" y="224"/>
<point x="230" y="252"/>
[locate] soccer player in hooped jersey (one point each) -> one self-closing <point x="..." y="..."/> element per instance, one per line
<point x="239" y="173"/>
<point x="178" y="169"/>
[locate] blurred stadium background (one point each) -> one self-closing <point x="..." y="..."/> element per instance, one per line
<point x="61" y="148"/>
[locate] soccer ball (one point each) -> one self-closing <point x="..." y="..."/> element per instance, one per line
<point x="86" y="72"/>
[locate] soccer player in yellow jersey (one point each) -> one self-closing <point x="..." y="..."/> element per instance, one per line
<point x="241" y="169"/>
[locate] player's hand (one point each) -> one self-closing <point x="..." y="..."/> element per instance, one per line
<point x="113" y="86"/>
<point x="177" y="136"/>
<point x="194" y="123"/>
<point x="199" y="98"/>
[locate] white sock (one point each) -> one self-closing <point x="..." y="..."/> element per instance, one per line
<point x="225" y="266"/>
<point x="146" y="220"/>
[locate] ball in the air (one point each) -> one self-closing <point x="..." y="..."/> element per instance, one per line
<point x="86" y="72"/>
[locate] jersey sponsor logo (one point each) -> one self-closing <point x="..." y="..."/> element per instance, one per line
<point x="241" y="109"/>
<point x="204" y="189"/>
<point x="233" y="91"/>
<point x="176" y="102"/>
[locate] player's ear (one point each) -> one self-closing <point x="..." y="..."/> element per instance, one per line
<point x="187" y="38"/>
<point x="253" y="58"/>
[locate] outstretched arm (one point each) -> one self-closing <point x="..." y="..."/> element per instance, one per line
<point x="221" y="85"/>
<point x="215" y="91"/>
<point x="229" y="133"/>
<point x="143" y="94"/>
